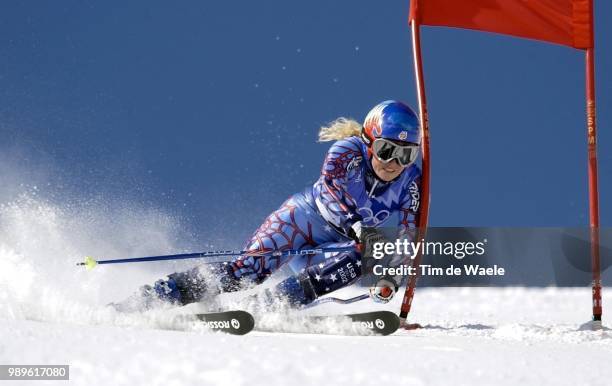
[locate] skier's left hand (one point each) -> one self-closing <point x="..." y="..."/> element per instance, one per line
<point x="383" y="291"/>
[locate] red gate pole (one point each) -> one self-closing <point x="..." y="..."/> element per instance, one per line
<point x="425" y="176"/>
<point x="592" y="175"/>
<point x="593" y="190"/>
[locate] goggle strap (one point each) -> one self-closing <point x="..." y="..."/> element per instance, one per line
<point x="366" y="138"/>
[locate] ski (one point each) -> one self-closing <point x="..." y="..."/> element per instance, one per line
<point x="377" y="322"/>
<point x="238" y="322"/>
<point x="366" y="323"/>
<point x="233" y="322"/>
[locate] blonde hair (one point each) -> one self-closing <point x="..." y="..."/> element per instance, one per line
<point x="339" y="129"/>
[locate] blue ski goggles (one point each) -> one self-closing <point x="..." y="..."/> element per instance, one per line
<point x="386" y="151"/>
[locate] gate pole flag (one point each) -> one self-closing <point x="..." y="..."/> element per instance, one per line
<point x="565" y="22"/>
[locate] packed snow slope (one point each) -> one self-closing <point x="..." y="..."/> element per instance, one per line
<point x="52" y="312"/>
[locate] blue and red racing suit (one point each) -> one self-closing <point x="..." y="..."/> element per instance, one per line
<point x="346" y="192"/>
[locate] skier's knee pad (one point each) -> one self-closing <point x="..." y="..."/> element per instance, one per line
<point x="334" y="273"/>
<point x="317" y="280"/>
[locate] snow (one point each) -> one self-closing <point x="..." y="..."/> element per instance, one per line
<point x="52" y="312"/>
<point x="472" y="336"/>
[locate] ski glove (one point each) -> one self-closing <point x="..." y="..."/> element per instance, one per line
<point x="383" y="291"/>
<point x="361" y="233"/>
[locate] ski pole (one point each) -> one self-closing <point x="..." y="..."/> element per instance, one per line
<point x="337" y="300"/>
<point x="90" y="262"/>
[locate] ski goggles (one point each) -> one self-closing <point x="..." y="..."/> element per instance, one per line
<point x="386" y="151"/>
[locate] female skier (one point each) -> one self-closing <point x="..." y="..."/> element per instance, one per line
<point x="369" y="174"/>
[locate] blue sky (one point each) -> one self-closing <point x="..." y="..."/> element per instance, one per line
<point x="211" y="109"/>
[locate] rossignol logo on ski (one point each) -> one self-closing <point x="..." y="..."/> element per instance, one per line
<point x="235" y="322"/>
<point x="378" y="324"/>
<point x="217" y="324"/>
<point x="366" y="324"/>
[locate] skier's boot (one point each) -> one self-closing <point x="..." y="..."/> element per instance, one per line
<point x="177" y="289"/>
